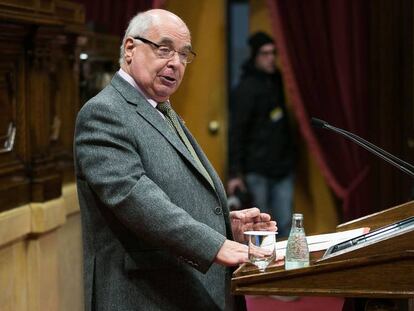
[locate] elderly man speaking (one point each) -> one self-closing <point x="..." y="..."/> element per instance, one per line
<point x="157" y="233"/>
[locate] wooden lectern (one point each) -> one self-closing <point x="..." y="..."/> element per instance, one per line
<point x="384" y="269"/>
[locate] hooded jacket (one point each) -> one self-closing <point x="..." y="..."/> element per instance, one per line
<point x="260" y="139"/>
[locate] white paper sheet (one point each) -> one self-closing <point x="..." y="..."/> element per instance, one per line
<point x="324" y="241"/>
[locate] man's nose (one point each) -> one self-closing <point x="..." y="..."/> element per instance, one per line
<point x="175" y="59"/>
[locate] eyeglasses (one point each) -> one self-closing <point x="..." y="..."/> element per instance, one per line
<point x="166" y="52"/>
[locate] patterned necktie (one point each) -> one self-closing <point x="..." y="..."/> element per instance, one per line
<point x="172" y="119"/>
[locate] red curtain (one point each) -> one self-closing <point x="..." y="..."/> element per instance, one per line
<point x="112" y="16"/>
<point x="323" y="48"/>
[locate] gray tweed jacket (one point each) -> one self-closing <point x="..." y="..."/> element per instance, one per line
<point x="152" y="224"/>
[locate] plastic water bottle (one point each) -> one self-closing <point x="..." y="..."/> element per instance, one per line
<point x="297" y="250"/>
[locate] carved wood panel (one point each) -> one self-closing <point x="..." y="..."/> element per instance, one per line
<point x="39" y="97"/>
<point x="14" y="179"/>
<point x="64" y="103"/>
<point x="45" y="177"/>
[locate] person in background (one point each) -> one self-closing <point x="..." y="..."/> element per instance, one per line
<point x="157" y="233"/>
<point x="261" y="149"/>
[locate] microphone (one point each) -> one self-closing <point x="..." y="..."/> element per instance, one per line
<point x="318" y="123"/>
<point x="386" y="156"/>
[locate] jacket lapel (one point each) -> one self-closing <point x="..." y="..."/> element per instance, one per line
<point x="220" y="191"/>
<point x="210" y="169"/>
<point x="152" y="116"/>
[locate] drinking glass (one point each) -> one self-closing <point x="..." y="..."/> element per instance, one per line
<point x="262" y="248"/>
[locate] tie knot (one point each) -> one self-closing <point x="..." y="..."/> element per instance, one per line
<point x="164" y="107"/>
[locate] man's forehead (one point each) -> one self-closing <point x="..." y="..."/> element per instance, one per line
<point x="268" y="46"/>
<point x="178" y="37"/>
<point x="165" y="40"/>
<point x="170" y="29"/>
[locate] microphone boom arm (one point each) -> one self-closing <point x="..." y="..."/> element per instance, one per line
<point x="386" y="156"/>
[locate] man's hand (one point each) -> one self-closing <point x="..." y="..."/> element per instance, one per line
<point x="250" y="219"/>
<point x="232" y="254"/>
<point x="235" y="183"/>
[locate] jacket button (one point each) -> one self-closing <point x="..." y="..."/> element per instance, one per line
<point x="218" y="210"/>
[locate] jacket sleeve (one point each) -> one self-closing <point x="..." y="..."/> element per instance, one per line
<point x="109" y="160"/>
<point x="241" y="109"/>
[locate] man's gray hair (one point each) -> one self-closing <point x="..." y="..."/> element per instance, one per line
<point x="138" y="26"/>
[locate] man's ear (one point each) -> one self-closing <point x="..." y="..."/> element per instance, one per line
<point x="129" y="50"/>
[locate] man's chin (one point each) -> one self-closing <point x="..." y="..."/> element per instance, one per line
<point x="163" y="93"/>
<point x="161" y="97"/>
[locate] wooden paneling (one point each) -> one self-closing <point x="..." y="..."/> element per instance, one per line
<point x="45" y="179"/>
<point x="43" y="270"/>
<point x="13" y="277"/>
<point x="39" y="97"/>
<point x="14" y="179"/>
<point x="15" y="224"/>
<point x="40" y="228"/>
<point x="41" y="256"/>
<point x="70" y="263"/>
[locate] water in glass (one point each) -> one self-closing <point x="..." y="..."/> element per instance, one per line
<point x="262" y="248"/>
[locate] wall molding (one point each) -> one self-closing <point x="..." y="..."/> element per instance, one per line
<point x="38" y="218"/>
